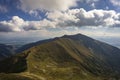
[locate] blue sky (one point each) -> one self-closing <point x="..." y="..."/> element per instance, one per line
<point x="42" y="19"/>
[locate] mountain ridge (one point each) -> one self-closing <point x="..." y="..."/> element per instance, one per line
<point x="74" y="57"/>
<point x="29" y="45"/>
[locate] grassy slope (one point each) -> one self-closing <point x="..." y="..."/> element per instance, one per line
<point x="62" y="59"/>
<point x="20" y="76"/>
<point x="57" y="62"/>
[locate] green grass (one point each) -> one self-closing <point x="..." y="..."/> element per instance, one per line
<point x="62" y="59"/>
<point x="14" y="77"/>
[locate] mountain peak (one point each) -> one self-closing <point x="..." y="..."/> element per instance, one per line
<point x="79" y="34"/>
<point x="75" y="57"/>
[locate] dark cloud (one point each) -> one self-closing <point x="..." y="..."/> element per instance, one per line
<point x="5" y="28"/>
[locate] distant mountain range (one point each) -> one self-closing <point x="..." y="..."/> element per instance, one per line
<point x="71" y="57"/>
<point x="6" y="51"/>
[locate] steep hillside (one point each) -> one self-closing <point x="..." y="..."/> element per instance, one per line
<point x="75" y="57"/>
<point x="6" y="51"/>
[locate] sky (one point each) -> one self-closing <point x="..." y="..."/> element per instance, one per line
<point x="42" y="19"/>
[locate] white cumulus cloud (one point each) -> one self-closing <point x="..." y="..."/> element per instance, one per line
<point x="68" y="18"/>
<point x="81" y="17"/>
<point x="17" y="24"/>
